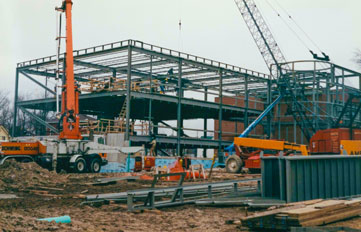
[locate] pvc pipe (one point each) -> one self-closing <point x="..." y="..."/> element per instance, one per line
<point x="61" y="219"/>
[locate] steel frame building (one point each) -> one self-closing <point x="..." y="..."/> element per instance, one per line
<point x="156" y="84"/>
<point x="189" y="85"/>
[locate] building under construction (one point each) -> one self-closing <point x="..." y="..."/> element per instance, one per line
<point x="146" y="92"/>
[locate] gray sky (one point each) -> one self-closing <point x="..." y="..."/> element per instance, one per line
<point x="210" y="28"/>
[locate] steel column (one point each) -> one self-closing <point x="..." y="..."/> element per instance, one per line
<point x="269" y="101"/>
<point x="128" y="99"/>
<point x="179" y="108"/>
<point x="246" y="101"/>
<point x="151" y="91"/>
<point x="205" y="127"/>
<point x="220" y="117"/>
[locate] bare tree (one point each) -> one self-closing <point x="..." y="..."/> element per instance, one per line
<point x="26" y="125"/>
<point x="357" y="57"/>
<point x="6" y="112"/>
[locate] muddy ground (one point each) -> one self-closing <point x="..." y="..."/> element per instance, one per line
<point x="46" y="194"/>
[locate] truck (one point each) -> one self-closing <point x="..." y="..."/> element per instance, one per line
<point x="72" y="156"/>
<point x="69" y="151"/>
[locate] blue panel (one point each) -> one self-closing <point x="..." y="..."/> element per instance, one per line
<point x="346" y="177"/>
<point x="308" y="180"/>
<point x="300" y="181"/>
<point x="304" y="178"/>
<point x="358" y="175"/>
<point x="160" y="162"/>
<point x="314" y="180"/>
<point x="321" y="178"/>
<point x="339" y="178"/>
<point x="333" y="179"/>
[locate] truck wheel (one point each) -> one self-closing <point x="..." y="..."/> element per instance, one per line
<point x="95" y="166"/>
<point x="58" y="169"/>
<point x="234" y="164"/>
<point x="80" y="165"/>
<point x="26" y="160"/>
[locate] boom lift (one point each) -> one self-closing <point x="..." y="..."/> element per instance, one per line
<point x="252" y="159"/>
<point x="69" y="152"/>
<point x="70" y="93"/>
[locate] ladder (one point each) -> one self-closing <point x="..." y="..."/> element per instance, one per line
<point x="122" y="116"/>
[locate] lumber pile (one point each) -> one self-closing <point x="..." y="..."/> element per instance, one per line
<point x="304" y="214"/>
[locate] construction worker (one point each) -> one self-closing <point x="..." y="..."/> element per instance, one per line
<point x="153" y="144"/>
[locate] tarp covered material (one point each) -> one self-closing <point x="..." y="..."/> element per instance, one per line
<point x="131" y="149"/>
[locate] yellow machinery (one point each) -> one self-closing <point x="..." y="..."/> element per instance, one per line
<point x="251" y="161"/>
<point x="271" y="145"/>
<point x="350" y="147"/>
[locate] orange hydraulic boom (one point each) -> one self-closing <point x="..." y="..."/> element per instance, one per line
<point x="70" y="93"/>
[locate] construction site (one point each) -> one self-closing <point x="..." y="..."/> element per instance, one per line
<point x="132" y="136"/>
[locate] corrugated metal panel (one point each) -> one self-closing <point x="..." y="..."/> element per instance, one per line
<point x="299" y="178"/>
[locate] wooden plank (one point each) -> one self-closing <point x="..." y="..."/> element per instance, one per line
<point x="332" y="218"/>
<point x="270" y="212"/>
<point x="309" y="202"/>
<point x="315" y="214"/>
<point x="328" y="203"/>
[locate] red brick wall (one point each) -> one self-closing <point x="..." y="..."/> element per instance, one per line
<point x="236" y="128"/>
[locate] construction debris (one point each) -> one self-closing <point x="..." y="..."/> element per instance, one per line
<point x="7" y="196"/>
<point x="304" y="215"/>
<point x="114" y="180"/>
<point x="178" y="195"/>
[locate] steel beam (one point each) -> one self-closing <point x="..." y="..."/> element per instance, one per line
<point x="38" y="83"/>
<point x="39" y="120"/>
<point x="191" y="142"/>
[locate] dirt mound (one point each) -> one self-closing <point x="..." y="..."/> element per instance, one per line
<point x="16" y="175"/>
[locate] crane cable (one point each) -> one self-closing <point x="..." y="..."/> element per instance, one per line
<point x="180" y="39"/>
<point x="303" y="31"/>
<point x="299" y="27"/>
<point x="293" y="31"/>
<point x="289" y="27"/>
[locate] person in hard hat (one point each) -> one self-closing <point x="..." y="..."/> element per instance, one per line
<point x="153" y="144"/>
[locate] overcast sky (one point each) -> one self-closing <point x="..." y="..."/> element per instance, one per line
<point x="210" y="28"/>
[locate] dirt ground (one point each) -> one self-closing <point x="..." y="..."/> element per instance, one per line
<point x="44" y="194"/>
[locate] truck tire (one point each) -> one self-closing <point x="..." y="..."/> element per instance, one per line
<point x="234" y="164"/>
<point x="26" y="160"/>
<point x="58" y="169"/>
<point x="80" y="165"/>
<point x="95" y="165"/>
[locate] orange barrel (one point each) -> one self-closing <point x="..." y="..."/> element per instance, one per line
<point x="149" y="162"/>
<point x="138" y="164"/>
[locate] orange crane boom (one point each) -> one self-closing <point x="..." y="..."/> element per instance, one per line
<point x="70" y="93"/>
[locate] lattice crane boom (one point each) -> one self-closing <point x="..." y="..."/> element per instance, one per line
<point x="261" y="34"/>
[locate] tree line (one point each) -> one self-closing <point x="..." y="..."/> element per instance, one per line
<point x="26" y="125"/>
